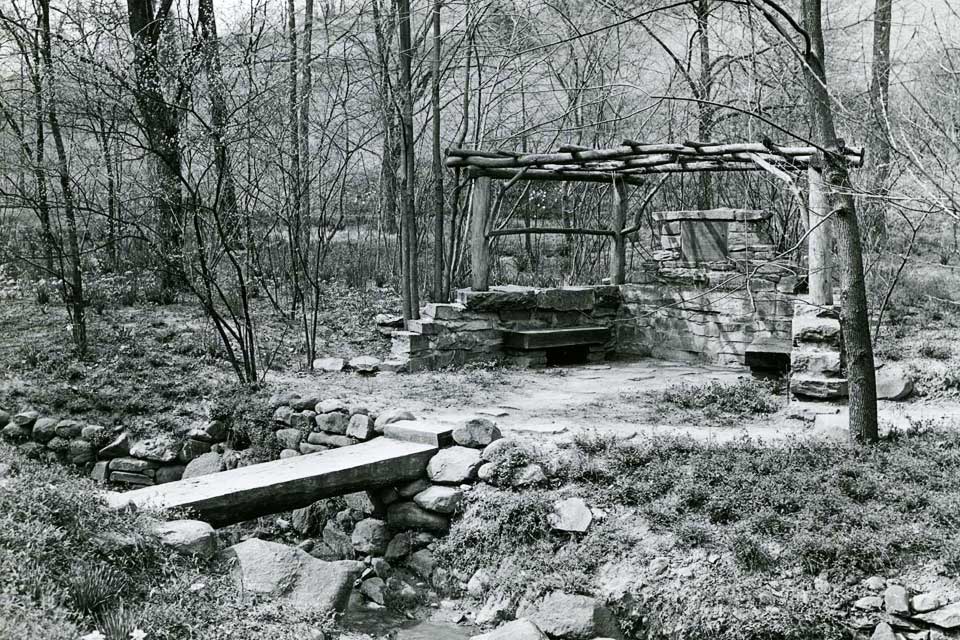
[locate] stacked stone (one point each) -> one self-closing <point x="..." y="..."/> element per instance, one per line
<point x="469" y="330"/>
<point x="892" y="612"/>
<point x="699" y="319"/>
<point x="394" y="529"/>
<point x="817" y="358"/>
<point x="307" y="424"/>
<point x="110" y="455"/>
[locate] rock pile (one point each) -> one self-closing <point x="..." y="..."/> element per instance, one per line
<point x="891" y="612"/>
<point x="559" y="616"/>
<point x="114" y="455"/>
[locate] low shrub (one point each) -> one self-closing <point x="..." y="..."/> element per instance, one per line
<point x="719" y="401"/>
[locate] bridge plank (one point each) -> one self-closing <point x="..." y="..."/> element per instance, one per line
<point x="257" y="490"/>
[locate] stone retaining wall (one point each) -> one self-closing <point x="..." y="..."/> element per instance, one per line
<point x="469" y="330"/>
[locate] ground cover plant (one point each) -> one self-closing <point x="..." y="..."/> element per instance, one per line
<point x="753" y="526"/>
<point x="69" y="566"/>
<point x="718" y="403"/>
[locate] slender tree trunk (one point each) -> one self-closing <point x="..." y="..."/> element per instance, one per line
<point x="72" y="275"/>
<point x="161" y="125"/>
<point x="113" y="213"/>
<point x="297" y="230"/>
<point x="39" y="172"/>
<point x="705" y="111"/>
<point x="408" y="231"/>
<point x="206" y="16"/>
<point x="854" y="319"/>
<point x="388" y="160"/>
<point x="306" y="70"/>
<point x="879" y="97"/>
<point x="437" y="161"/>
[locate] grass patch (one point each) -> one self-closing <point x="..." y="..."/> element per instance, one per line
<point x="789" y="512"/>
<point x="69" y="565"/>
<point x="717" y="402"/>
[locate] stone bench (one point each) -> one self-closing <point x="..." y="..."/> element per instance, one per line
<point x="564" y="345"/>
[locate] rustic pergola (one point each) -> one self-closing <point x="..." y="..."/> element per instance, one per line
<point x="628" y="164"/>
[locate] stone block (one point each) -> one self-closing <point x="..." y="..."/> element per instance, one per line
<point x="420" y="431"/>
<point x="818" y="330"/>
<point x="498" y="298"/>
<point x="407" y="343"/>
<point x="670" y="242"/>
<point x="126" y="477"/>
<point x="817" y="362"/>
<point x="424" y="327"/>
<point x="818" y="387"/>
<point x="436" y="311"/>
<point x="703" y="241"/>
<point x="566" y="299"/>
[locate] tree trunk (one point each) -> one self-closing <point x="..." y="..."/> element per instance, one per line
<point x="306" y="70"/>
<point x="296" y="222"/>
<point x="861" y="374"/>
<point x="72" y="273"/>
<point x="437" y="162"/>
<point x="39" y="172"/>
<point x="408" y="231"/>
<point x="704" y="111"/>
<point x="388" y="159"/>
<point x="162" y="128"/>
<point x="879" y="96"/>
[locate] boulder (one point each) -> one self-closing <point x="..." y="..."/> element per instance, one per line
<point x="283" y="414"/>
<point x="289" y="453"/>
<point x="527" y="476"/>
<point x="132" y="465"/>
<point x="476" y="433"/>
<point x="118" y="448"/>
<point x="338" y="540"/>
<point x="126" y="477"/>
<point x="4" y="418"/>
<point x="409" y="515"/>
<point x="16" y="433"/>
<point x="330" y="365"/>
<point x="454" y="465"/>
<point x="893" y="383"/>
<point x="924" y="602"/>
<point x="68" y="429"/>
<point x="497" y="608"/>
<point x="361" y="502"/>
<point x="479" y="582"/>
<point x="159" y="448"/>
<point x="571" y="515"/>
<point x="360" y="427"/>
<point x="883" y="631"/>
<point x="330" y="440"/>
<point x="400" y="546"/>
<point x="25" y="419"/>
<point x="422" y="563"/>
<point x="203" y="465"/>
<point x="500" y="449"/>
<point x="896" y="600"/>
<point x="169" y="473"/>
<point x="333" y="422"/>
<point x="211" y="431"/>
<point x="332" y="405"/>
<point x="293" y="577"/>
<point x="289" y="438"/>
<point x="192" y="449"/>
<point x="93" y="433"/>
<point x="100" y="471"/>
<point x="947" y="617"/>
<point x="440" y="499"/>
<point x="370" y="537"/>
<point x="187" y="537"/>
<point x="303" y="419"/>
<point x="306" y="447"/>
<point x="81" y="452"/>
<point x="572" y="617"/>
<point x="373" y="589"/>
<point x="44" y="430"/>
<point x="413" y="487"/>
<point x="522" y="629"/>
<point x="281" y="398"/>
<point x="365" y="364"/>
<point x="389" y="417"/>
<point x="305" y="402"/>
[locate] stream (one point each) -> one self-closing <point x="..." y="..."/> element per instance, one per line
<point x="378" y="623"/>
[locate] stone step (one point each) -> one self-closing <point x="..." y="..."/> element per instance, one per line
<point x="263" y="489"/>
<point x="824" y="388"/>
<point x="435" y="434"/>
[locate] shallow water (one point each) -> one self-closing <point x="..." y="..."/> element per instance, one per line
<point x="378" y="623"/>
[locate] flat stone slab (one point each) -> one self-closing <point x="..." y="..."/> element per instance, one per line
<point x="435" y="434"/>
<point x="257" y="490"/>
<point x="527" y="339"/>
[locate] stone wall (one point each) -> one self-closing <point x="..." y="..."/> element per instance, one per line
<point x="703" y="315"/>
<point x="470" y="329"/>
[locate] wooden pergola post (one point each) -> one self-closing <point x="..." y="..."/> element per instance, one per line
<point x="618" y="249"/>
<point x="479" y="243"/>
<point x="820" y="241"/>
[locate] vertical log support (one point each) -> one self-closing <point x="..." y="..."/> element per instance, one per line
<point x="618" y="249"/>
<point x="479" y="243"/>
<point x="819" y="241"/>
